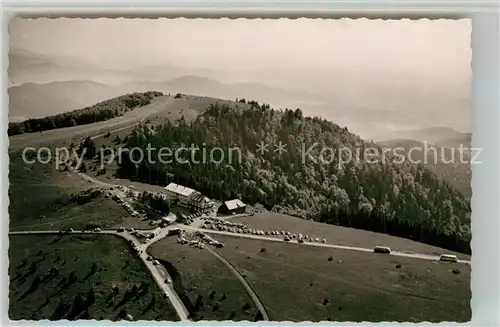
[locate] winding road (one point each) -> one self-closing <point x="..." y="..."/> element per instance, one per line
<point x="264" y="238"/>
<point x="158" y="272"/>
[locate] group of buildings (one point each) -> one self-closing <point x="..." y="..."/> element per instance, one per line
<point x="198" y="202"/>
<point x="189" y="198"/>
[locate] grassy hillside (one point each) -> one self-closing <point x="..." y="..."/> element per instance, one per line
<point x="101" y="111"/>
<point x="43" y="198"/>
<point x="208" y="289"/>
<point x="400" y="199"/>
<point x="305" y="283"/>
<point x="74" y="277"/>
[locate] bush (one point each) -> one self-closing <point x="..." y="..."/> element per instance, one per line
<point x="85" y="196"/>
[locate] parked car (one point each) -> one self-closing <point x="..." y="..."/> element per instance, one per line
<point x="382" y="249"/>
<point x="448" y="258"/>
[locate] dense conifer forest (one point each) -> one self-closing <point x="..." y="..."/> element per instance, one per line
<point x="401" y="199"/>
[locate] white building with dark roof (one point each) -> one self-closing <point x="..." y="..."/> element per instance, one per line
<point x="232" y="207"/>
<point x="188" y="197"/>
<point x="179" y="192"/>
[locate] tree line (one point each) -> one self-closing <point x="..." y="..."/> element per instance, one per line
<point x="402" y="199"/>
<point x="101" y="111"/>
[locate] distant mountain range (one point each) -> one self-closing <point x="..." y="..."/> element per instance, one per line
<point x="44" y="85"/>
<point x="40" y="100"/>
<point x="28" y="67"/>
<point x="32" y="100"/>
<point x="204" y="86"/>
<point x="438" y="136"/>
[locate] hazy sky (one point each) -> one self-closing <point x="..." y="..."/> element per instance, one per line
<point x="423" y="46"/>
<point x="395" y="65"/>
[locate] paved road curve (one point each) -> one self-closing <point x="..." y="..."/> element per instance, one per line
<point x="335" y="246"/>
<point x="158" y="271"/>
<point x="275" y="239"/>
<point x="160" y="274"/>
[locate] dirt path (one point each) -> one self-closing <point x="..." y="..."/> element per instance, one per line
<point x="247" y="286"/>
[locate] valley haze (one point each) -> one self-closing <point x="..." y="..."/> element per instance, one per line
<point x="417" y="75"/>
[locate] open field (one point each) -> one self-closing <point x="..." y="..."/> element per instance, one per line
<point x="196" y="274"/>
<point x="339" y="235"/>
<point x="53" y="277"/>
<point x="302" y="283"/>
<point x="190" y="106"/>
